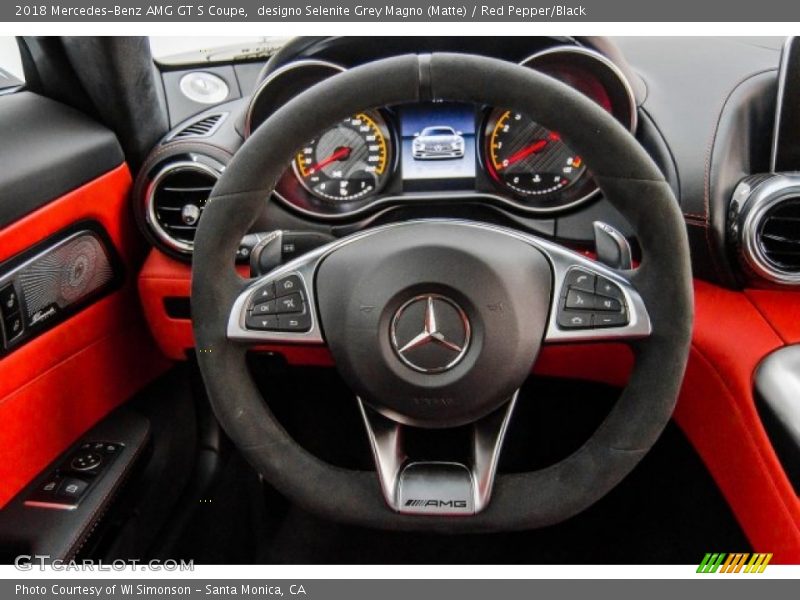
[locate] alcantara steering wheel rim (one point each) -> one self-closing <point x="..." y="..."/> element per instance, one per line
<point x="629" y="180"/>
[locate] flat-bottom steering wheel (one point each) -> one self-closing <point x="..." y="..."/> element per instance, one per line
<point x="436" y="324"/>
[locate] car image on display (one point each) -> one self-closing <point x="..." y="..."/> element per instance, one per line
<point x="401" y="300"/>
<point x="438" y="142"/>
<point x="438" y="145"/>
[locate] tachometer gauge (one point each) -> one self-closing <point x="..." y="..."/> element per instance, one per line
<point x="528" y="159"/>
<point x="349" y="161"/>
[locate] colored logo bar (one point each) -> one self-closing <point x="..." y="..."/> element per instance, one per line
<point x="740" y="562"/>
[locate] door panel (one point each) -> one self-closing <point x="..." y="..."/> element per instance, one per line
<point x="60" y="383"/>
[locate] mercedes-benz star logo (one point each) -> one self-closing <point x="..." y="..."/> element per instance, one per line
<point x="430" y="333"/>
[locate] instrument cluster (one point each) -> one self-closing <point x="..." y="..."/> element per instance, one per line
<point x="442" y="150"/>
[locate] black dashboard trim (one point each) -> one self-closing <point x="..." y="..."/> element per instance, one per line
<point x="47" y="150"/>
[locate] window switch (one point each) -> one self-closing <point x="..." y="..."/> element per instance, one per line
<point x="50" y="486"/>
<point x="46" y="495"/>
<point x="71" y="489"/>
<point x="9" y="303"/>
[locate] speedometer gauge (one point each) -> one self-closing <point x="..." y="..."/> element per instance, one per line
<point x="527" y="158"/>
<point x="347" y="162"/>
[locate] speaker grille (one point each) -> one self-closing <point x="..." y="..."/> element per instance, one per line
<point x="779" y="235"/>
<point x="176" y="200"/>
<point x="64" y="275"/>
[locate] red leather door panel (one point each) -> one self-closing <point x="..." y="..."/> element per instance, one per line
<point x="62" y="382"/>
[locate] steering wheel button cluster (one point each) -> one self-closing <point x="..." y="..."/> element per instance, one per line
<point x="590" y="301"/>
<point x="279" y="306"/>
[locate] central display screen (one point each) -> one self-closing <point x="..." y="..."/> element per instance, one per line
<point x="438" y="146"/>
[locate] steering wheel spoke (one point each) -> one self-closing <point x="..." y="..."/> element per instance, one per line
<point x="415" y="486"/>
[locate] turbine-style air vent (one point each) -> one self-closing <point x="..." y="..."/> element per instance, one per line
<point x="176" y="199"/>
<point x="764" y="227"/>
<point x="779" y="235"/>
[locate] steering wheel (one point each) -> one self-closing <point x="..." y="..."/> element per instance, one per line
<point x="437" y="323"/>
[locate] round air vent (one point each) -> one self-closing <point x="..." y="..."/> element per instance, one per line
<point x="779" y="234"/>
<point x="175" y="200"/>
<point x="765" y="219"/>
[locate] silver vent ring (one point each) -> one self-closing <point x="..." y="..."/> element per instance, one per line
<point x="151" y="215"/>
<point x="753" y="200"/>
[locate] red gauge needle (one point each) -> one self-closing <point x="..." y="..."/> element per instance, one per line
<point x="524" y="153"/>
<point x="341" y="153"/>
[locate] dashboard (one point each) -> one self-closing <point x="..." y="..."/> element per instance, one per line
<point x="396" y="154"/>
<point x="701" y="118"/>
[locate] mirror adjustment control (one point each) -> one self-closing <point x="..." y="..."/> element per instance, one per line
<point x="86" y="461"/>
<point x="90" y="459"/>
